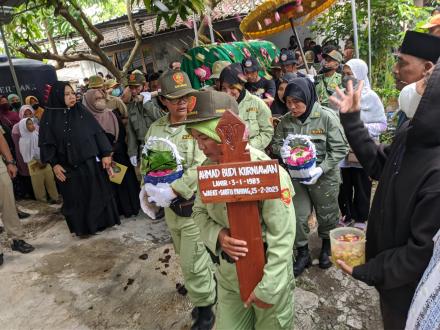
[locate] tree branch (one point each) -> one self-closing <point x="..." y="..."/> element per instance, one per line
<point x="99" y="36"/>
<point x="94" y="47"/>
<point x="60" y="58"/>
<point x="137" y="37"/>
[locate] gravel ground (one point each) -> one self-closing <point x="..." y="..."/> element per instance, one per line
<point x="126" y="277"/>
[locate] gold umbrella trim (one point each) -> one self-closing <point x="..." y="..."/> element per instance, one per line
<point x="268" y="8"/>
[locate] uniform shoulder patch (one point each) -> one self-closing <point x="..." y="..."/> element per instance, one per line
<point x="286" y="196"/>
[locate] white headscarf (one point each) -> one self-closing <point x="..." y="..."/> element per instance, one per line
<point x="372" y="110"/>
<point x="28" y="142"/>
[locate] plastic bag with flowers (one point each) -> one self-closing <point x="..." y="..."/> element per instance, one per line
<point x="161" y="165"/>
<point x="299" y="154"/>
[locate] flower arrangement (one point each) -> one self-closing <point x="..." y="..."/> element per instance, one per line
<point x="299" y="155"/>
<point x="158" y="165"/>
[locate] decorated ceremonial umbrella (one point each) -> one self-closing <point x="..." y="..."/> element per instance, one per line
<point x="274" y="16"/>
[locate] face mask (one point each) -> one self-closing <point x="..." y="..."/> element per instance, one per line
<point x="117" y="92"/>
<point x="326" y="69"/>
<point x="409" y="100"/>
<point x="16" y="105"/>
<point x="346" y="79"/>
<point x="35" y="106"/>
<point x="100" y="104"/>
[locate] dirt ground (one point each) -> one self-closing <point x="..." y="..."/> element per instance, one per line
<point x="126" y="277"/>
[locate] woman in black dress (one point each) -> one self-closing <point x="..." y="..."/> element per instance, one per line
<point x="76" y="146"/>
<point x="126" y="193"/>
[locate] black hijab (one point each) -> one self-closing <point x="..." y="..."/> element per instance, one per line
<point x="304" y="90"/>
<point x="56" y="95"/>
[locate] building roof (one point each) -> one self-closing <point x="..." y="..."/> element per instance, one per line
<point x="117" y="30"/>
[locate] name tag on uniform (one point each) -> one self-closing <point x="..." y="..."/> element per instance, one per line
<point x="252" y="110"/>
<point x="317" y="132"/>
<point x="187" y="137"/>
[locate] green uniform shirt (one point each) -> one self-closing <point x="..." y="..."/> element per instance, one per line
<point x="256" y="114"/>
<point x="140" y="118"/>
<point x="327" y="86"/>
<point x="326" y="133"/>
<point x="277" y="219"/>
<point x="188" y="149"/>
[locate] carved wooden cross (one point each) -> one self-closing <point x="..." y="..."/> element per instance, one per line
<point x="241" y="184"/>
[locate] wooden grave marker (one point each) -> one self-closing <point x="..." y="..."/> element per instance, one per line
<point x="240" y="184"/>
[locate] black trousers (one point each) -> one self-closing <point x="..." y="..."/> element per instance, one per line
<point x="354" y="194"/>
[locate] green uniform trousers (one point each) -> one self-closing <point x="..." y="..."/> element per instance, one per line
<point x="196" y="264"/>
<point x="232" y="315"/>
<point x="323" y="197"/>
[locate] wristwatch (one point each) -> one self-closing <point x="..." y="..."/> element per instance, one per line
<point x="11" y="162"/>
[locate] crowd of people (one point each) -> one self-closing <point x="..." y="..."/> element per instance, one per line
<point x="69" y="150"/>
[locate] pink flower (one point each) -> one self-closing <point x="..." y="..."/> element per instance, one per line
<point x="203" y="73"/>
<point x="246" y="52"/>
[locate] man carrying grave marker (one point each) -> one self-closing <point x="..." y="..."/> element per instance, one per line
<point x="176" y="196"/>
<point x="270" y="305"/>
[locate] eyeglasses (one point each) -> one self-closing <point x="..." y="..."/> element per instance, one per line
<point x="183" y="99"/>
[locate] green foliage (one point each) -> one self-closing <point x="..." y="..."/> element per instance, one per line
<point x="38" y="18"/>
<point x="173" y="9"/>
<point x="389" y="20"/>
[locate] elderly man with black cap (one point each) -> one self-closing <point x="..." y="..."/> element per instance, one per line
<point x="288" y="62"/>
<point x="254" y="112"/>
<point x="256" y="85"/>
<point x="176" y="196"/>
<point x="327" y="82"/>
<point x="270" y="305"/>
<point x="417" y="55"/>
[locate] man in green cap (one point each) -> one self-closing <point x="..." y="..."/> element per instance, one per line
<point x="140" y="115"/>
<point x="111" y="102"/>
<point x="251" y="109"/>
<point x="270" y="306"/>
<point x="196" y="264"/>
<point x="327" y="82"/>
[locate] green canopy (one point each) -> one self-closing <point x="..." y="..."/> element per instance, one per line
<point x="264" y="51"/>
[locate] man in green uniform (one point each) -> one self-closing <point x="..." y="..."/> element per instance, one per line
<point x="308" y="117"/>
<point x="251" y="109"/>
<point x="270" y="306"/>
<point x="140" y="116"/>
<point x="329" y="79"/>
<point x="195" y="261"/>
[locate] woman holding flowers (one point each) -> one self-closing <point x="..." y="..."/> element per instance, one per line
<point x="319" y="188"/>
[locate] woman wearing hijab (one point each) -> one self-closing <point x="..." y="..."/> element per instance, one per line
<point x="254" y="112"/>
<point x="308" y="117"/>
<point x="404" y="215"/>
<point x="8" y="118"/>
<point x="278" y="106"/>
<point x="126" y="193"/>
<point x="41" y="174"/>
<point x="355" y="192"/>
<point x="15" y="102"/>
<point x="75" y="145"/>
<point x="22" y="182"/>
<point x="35" y="104"/>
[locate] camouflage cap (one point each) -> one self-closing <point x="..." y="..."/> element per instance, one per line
<point x="110" y="83"/>
<point x="136" y="79"/>
<point x="310" y="56"/>
<point x="335" y="55"/>
<point x="174" y="84"/>
<point x="217" y="68"/>
<point x="209" y="105"/>
<point x="96" y="82"/>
